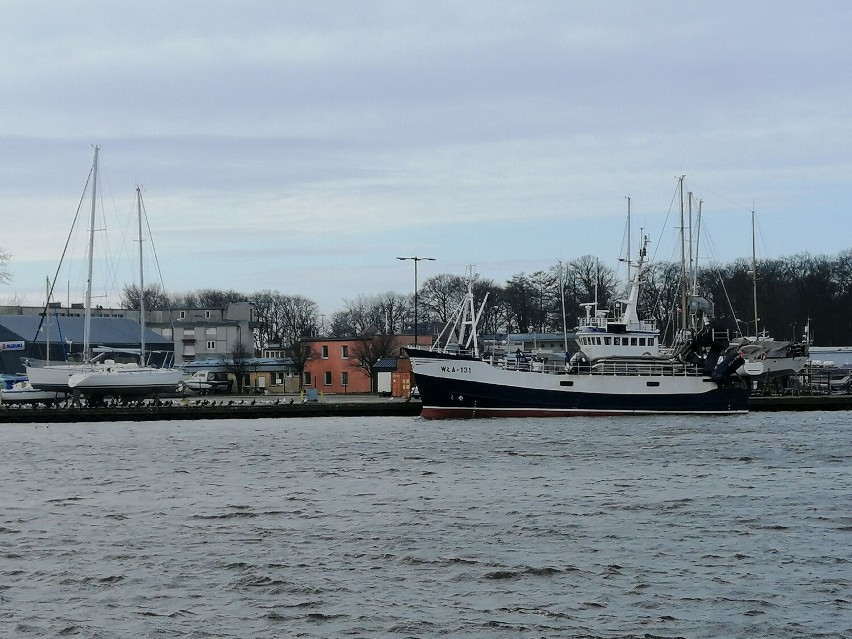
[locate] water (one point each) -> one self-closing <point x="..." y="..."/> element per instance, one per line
<point x="396" y="527"/>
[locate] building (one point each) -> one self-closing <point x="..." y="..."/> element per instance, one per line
<point x="268" y="375"/>
<point x="206" y="333"/>
<point x="29" y="336"/>
<point x="334" y="366"/>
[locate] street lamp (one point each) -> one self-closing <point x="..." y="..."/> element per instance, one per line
<point x="415" y="260"/>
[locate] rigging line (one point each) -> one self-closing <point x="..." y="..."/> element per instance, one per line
<point x="722" y="197"/>
<point x="156" y="261"/>
<point x="109" y="269"/>
<point x="64" y="251"/>
<point x="665" y="224"/>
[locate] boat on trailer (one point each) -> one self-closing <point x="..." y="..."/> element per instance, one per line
<point x="99" y="376"/>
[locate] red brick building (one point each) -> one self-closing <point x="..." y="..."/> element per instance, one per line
<point x="334" y="365"/>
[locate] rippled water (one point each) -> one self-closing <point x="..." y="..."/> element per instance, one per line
<point x="397" y="527"/>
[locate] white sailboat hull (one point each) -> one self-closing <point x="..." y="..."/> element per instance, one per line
<point x="54" y="377"/>
<point x="126" y="380"/>
<point x="24" y="393"/>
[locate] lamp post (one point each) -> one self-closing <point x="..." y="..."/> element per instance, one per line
<point x="415" y="260"/>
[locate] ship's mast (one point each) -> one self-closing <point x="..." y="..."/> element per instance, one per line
<point x="141" y="281"/>
<point x="754" y="275"/>
<point x="87" y="318"/>
<point x="683" y="289"/>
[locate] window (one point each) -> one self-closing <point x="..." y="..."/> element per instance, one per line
<point x="616" y="341"/>
<point x="277" y="379"/>
<point x="608" y="341"/>
<point x="641" y="341"/>
<point x="650" y="341"/>
<point x="181" y="314"/>
<point x="206" y="314"/>
<point x="307" y="378"/>
<point x="210" y="331"/>
<point x="325" y="351"/>
<point x="327" y="378"/>
<point x="211" y="344"/>
<point x="344" y="351"/>
<point x="634" y="341"/>
<point x="344" y="379"/>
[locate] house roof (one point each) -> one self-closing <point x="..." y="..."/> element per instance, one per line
<point x="386" y="364"/>
<point x="104" y="330"/>
<point x="254" y="364"/>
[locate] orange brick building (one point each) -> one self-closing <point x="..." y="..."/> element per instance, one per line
<point x="334" y="368"/>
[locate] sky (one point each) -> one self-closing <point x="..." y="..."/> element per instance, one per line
<point x="301" y="147"/>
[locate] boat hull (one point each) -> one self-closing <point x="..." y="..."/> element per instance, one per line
<point x="53" y="378"/>
<point x="126" y="382"/>
<point x="460" y="387"/>
<point x="24" y="393"/>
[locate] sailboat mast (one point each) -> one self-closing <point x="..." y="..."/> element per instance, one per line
<point x="683" y="295"/>
<point x="87" y="318"/>
<point x="141" y="281"/>
<point x="754" y="274"/>
<point x="47" y="321"/>
<point x="697" y="242"/>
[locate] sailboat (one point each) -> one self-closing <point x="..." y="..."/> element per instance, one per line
<point x="111" y="377"/>
<point x="766" y="357"/>
<point x="47" y="376"/>
<point x="99" y="376"/>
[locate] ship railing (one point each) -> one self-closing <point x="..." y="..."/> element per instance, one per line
<point x="621" y="367"/>
<point x="640" y="368"/>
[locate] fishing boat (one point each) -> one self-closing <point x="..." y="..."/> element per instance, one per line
<point x="456" y="381"/>
<point x="101" y="375"/>
<point x="610" y="376"/>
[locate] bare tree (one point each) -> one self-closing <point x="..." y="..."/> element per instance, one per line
<point x="386" y="312"/>
<point x="207" y="298"/>
<point x="592" y="278"/>
<point x="440" y="296"/>
<point x="237" y="363"/>
<point x="300" y="353"/>
<point x="154" y="297"/>
<point x="5" y="275"/>
<point x="368" y="352"/>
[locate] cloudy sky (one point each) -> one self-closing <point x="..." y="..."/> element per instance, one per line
<point x="302" y="146"/>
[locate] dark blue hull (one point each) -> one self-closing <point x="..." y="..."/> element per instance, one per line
<point x="452" y="396"/>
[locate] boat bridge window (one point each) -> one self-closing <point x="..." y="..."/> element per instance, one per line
<point x="607" y="340"/>
<point x="641" y="341"/>
<point x="634" y="341"/>
<point x="616" y="341"/>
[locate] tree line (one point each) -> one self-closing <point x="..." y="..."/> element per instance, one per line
<point x="791" y="293"/>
